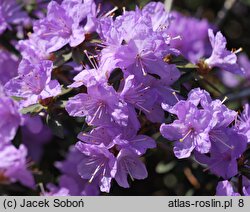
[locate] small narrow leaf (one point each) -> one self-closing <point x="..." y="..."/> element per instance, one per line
<point x="36" y="108"/>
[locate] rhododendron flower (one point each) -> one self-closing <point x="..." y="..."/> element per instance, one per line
<point x="221" y="57"/>
<point x="33" y="82"/>
<point x="8" y="66"/>
<point x="11" y="14"/>
<point x="100" y="105"/>
<point x="98" y="164"/>
<point x="128" y="164"/>
<point x="10" y="119"/>
<point x="62" y="25"/>
<point x="223" y="155"/>
<point x="190" y="131"/>
<point x="13" y="165"/>
<point x="243" y="124"/>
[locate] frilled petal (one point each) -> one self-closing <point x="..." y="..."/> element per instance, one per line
<point x="183" y="149"/>
<point x="202" y="143"/>
<point x="172" y="131"/>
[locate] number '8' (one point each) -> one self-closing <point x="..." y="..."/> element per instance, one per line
<point x="241" y="203"/>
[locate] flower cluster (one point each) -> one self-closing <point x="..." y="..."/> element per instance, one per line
<point x="205" y="127"/>
<point x="111" y="83"/>
<point x="113" y="147"/>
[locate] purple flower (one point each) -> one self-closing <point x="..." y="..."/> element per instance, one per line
<point x="8" y="66"/>
<point x="224" y="188"/>
<point x="243" y="122"/>
<point x="11" y="14"/>
<point x="198" y="96"/>
<point x="33" y="49"/>
<point x="139" y="56"/>
<point x="83" y="11"/>
<point x="190" y="131"/>
<point x="10" y="119"/>
<point x="221" y="57"/>
<point x="138" y="144"/>
<point x="70" y="178"/>
<point x="13" y="165"/>
<point x="102" y="136"/>
<point x="35" y="135"/>
<point x="63" y="24"/>
<point x="128" y="163"/>
<point x="98" y="165"/>
<point x="133" y="45"/>
<point x="89" y="77"/>
<point x="222" y="117"/>
<point x="200" y="122"/>
<point x="138" y="94"/>
<point x="192" y="33"/>
<point x="159" y="17"/>
<point x="223" y="155"/>
<point x="33" y="82"/>
<point x="101" y="106"/>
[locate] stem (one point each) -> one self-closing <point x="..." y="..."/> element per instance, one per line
<point x="211" y="85"/>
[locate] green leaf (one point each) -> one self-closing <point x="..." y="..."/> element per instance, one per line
<point x="55" y="125"/>
<point x="17" y="98"/>
<point x="36" y="108"/>
<point x="182" y="63"/>
<point x="187" y="66"/>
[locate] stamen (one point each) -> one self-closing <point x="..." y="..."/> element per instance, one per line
<point x="94" y="59"/>
<point x="111" y="11"/>
<point x="236" y="118"/>
<point x="182" y="139"/>
<point x="143" y="108"/>
<point x="141" y="139"/>
<point x="213" y="165"/>
<point x="174" y="93"/>
<point x="236" y="51"/>
<point x="142" y="68"/>
<point x="176" y="38"/>
<point x="128" y="171"/>
<point x="95" y="114"/>
<point x="225" y="99"/>
<point x="99" y="8"/>
<point x="95" y="172"/>
<point x="87" y="55"/>
<point x="41" y="188"/>
<point x="124" y="10"/>
<point x="143" y="89"/>
<point x="93" y="138"/>
<point x="230" y="147"/>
